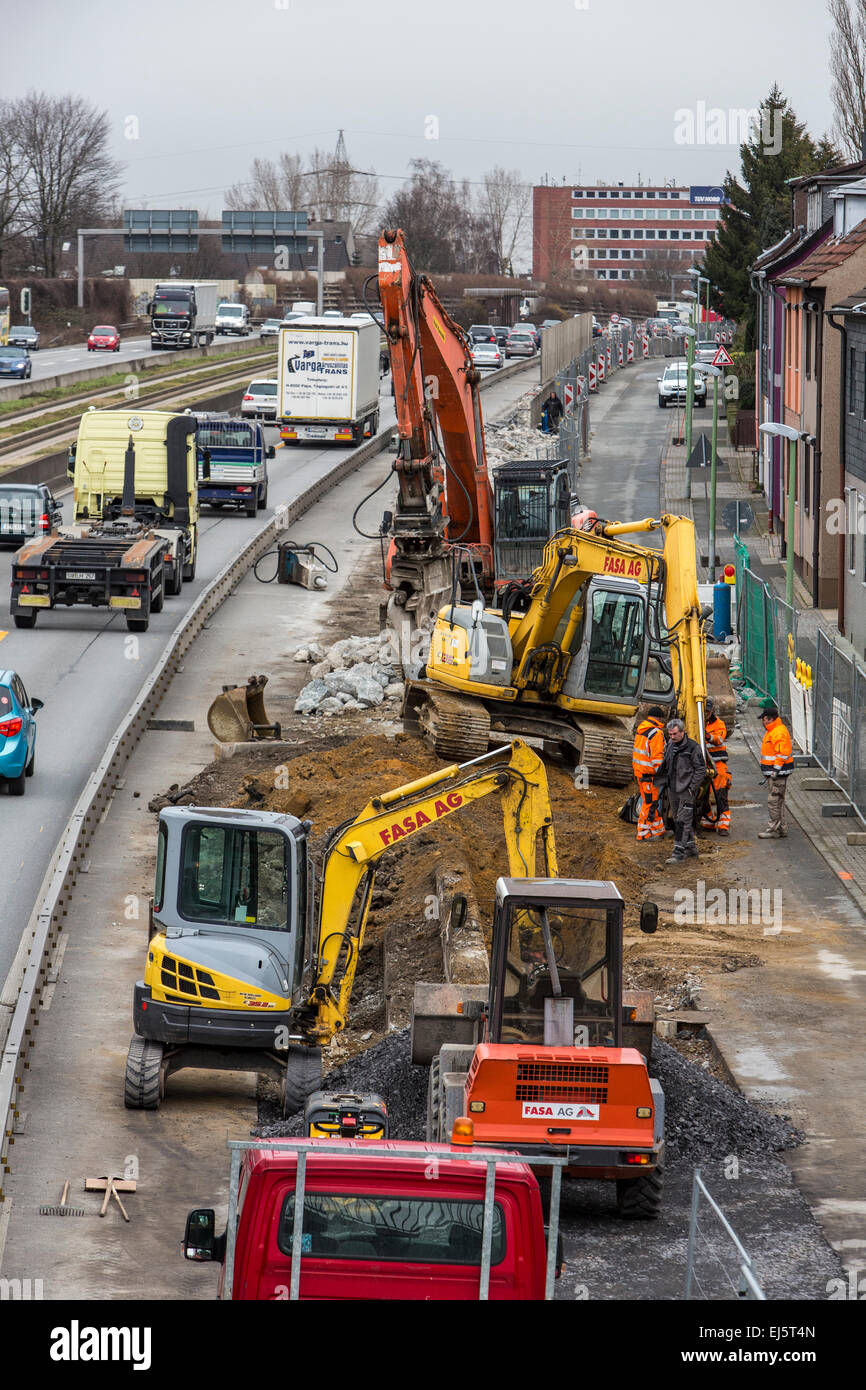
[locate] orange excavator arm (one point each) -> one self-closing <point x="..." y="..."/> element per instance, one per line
<point x="445" y="494"/>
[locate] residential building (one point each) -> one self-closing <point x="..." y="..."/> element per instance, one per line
<point x="845" y="522"/>
<point x="616" y="232"/>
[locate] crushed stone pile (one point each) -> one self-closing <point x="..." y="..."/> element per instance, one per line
<point x="513" y="437"/>
<point x="704" y="1119"/>
<point x="355" y="673"/>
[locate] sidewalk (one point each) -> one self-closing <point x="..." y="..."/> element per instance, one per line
<point x="808" y="790"/>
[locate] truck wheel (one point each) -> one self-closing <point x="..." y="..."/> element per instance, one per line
<point x="303" y="1076"/>
<point x="263" y="499"/>
<point x="157" y="600"/>
<point x="374" y="424"/>
<point x="137" y="624"/>
<point x="16" y="785"/>
<point x="189" y="570"/>
<point x="144" y="1086"/>
<point x="640" y="1199"/>
<point x="26" y="619"/>
<point x="174" y="582"/>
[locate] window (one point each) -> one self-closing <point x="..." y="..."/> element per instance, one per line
<point x="522" y="511"/>
<point x="649" y="236"/>
<point x="576" y="193"/>
<point x="612" y="213"/>
<point x="614" y="275"/>
<point x="616" y="645"/>
<point x="675" y="236"/>
<point x="159" y="876"/>
<point x="850" y="527"/>
<point x="613" y="255"/>
<point x="613" y="234"/>
<point x="234" y="876"/>
<point x="601" y="253"/>
<point x="687" y="236"/>
<point x="650" y="193"/>
<point x="613" y="194"/>
<point x="637" y="234"/>
<point x="625" y="195"/>
<point x="625" y="255"/>
<point x="411" y="1230"/>
<point x="582" y="941"/>
<point x="663" y="236"/>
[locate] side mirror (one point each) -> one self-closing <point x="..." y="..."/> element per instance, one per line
<point x="649" y="918"/>
<point x="36" y="705"/>
<point x="205" y="465"/>
<point x="272" y="453"/>
<point x="199" y="1239"/>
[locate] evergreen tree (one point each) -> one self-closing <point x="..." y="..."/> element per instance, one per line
<point x="757" y="213"/>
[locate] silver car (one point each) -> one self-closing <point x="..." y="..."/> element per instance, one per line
<point x="260" y="400"/>
<point x="520" y="343"/>
<point x="486" y="354"/>
<point x="673" y="386"/>
<point x="270" y="328"/>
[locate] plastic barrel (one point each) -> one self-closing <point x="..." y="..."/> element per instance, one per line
<point x="721" y="610"/>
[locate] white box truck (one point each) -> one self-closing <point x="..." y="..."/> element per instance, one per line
<point x="183" y="313"/>
<point x="328" y="380"/>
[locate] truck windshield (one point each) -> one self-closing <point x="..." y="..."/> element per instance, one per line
<point x="581" y="941"/>
<point x="232" y="876"/>
<point x="231" y="311"/>
<point x="410" y="1230"/>
<point x="179" y="305"/>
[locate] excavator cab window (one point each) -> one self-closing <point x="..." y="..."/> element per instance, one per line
<point x="234" y="876"/>
<point x="562" y="950"/>
<point x="617" y="640"/>
<point x="522" y="512"/>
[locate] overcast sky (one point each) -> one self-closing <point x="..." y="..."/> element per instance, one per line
<point x="580" y="90"/>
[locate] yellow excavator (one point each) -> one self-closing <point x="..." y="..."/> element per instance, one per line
<point x="603" y="625"/>
<point x="251" y="960"/>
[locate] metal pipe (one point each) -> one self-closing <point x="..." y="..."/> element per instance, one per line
<point x="843" y="397"/>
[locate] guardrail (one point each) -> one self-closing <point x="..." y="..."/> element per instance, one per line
<point x="31" y="968"/>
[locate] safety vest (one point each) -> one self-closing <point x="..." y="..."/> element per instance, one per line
<point x="716" y="733"/>
<point x="649" y="749"/>
<point x="776" y="751"/>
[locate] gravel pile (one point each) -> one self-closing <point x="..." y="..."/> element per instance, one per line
<point x="355" y="673"/>
<point x="704" y="1119"/>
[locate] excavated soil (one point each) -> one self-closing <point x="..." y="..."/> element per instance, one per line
<point x="333" y="775"/>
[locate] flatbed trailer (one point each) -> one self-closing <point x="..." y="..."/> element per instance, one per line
<point x="115" y="567"/>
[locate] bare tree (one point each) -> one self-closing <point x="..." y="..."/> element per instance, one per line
<point x="848" y="71"/>
<point x="271" y="187"/>
<point x="12" y="182"/>
<point x="504" y="204"/>
<point x="69" y="174"/>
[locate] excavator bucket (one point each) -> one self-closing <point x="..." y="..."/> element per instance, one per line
<point x="238" y="715"/>
<point x="720" y="690"/>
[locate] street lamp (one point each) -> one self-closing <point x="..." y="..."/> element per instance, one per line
<point x="690" y="360"/>
<point x="773" y="427"/>
<point x="708" y="369"/>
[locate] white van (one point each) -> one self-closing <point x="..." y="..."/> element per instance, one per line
<point x="232" y="318"/>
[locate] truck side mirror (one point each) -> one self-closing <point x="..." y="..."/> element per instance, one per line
<point x="649" y="917"/>
<point x="271" y="453"/>
<point x="199" y="1239"/>
<point x="70" y="461"/>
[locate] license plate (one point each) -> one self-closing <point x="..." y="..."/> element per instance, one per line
<point x="80" y="574"/>
<point x="315" y="431"/>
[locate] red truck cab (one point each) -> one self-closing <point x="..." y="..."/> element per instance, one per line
<point x="404" y="1223"/>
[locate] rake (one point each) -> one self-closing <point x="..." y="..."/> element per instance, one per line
<point x="63" y="1209"/>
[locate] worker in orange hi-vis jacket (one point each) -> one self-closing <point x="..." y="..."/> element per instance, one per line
<point x="777" y="764"/>
<point x="646" y="759"/>
<point x="716" y="733"/>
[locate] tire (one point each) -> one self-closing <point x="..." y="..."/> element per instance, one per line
<point x="17" y="785"/>
<point x="640" y="1199"/>
<point x="157" y="600"/>
<point x="137" y="624"/>
<point x="173" y="582"/>
<point x="374" y="424"/>
<point x="26" y="619"/>
<point x="31" y="766"/>
<point x="251" y="511"/>
<point x="303" y="1076"/>
<point x="663" y="402"/>
<point x="263" y="499"/>
<point x="144" y="1086"/>
<point x="189" y="570"/>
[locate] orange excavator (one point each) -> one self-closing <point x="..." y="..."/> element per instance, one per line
<point x="451" y="527"/>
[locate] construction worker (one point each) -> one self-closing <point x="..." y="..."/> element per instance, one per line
<point x="646" y="759"/>
<point x="716" y="733"/>
<point x="682" y="771"/>
<point x="777" y="764"/>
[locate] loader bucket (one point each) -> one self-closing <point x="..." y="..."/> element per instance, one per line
<point x="238" y="715"/>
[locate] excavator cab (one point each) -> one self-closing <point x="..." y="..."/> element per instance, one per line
<point x="532" y="502"/>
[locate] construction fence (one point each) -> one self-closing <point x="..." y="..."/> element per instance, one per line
<point x="839" y="730"/>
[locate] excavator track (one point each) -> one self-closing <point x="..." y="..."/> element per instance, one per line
<point x="607" y="749"/>
<point x="459" y="729"/>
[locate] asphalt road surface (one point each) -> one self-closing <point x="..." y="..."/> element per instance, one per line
<point x="50" y="362"/>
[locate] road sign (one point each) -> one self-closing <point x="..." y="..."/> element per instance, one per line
<point x="592" y="377"/>
<point x="163" y="229"/>
<point x="614" y="318"/>
<point x="263" y="232"/>
<point x="738" y="516"/>
<point x="568" y="398"/>
<point x="723" y="358"/>
<point x="701" y="455"/>
<point x="630" y="351"/>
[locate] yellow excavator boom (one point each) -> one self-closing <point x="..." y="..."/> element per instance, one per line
<point x="351" y="855"/>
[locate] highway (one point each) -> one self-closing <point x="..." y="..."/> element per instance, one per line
<point x="52" y="361"/>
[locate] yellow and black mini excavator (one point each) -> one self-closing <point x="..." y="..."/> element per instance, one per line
<point x="603" y="625"/>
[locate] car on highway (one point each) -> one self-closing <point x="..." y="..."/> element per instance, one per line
<point x="27" y="510"/>
<point x="22" y="335"/>
<point x="501" y="335"/>
<point x="550" y="323"/>
<point x="673" y="386"/>
<point x="17" y="732"/>
<point x="705" y="350"/>
<point x="529" y="328"/>
<point x="260" y="399"/>
<point x="520" y="343"/>
<point x="104" y="338"/>
<point x="486" y="354"/>
<point x="332" y="314"/>
<point x="15" y="361"/>
<point x="482" y="333"/>
<point x="270" y="328"/>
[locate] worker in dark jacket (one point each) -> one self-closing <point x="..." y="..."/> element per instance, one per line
<point x="551" y="413"/>
<point x="682" y="771"/>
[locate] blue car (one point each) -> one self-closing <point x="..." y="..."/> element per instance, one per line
<point x="17" y="732"/>
<point x="15" y="362"/>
